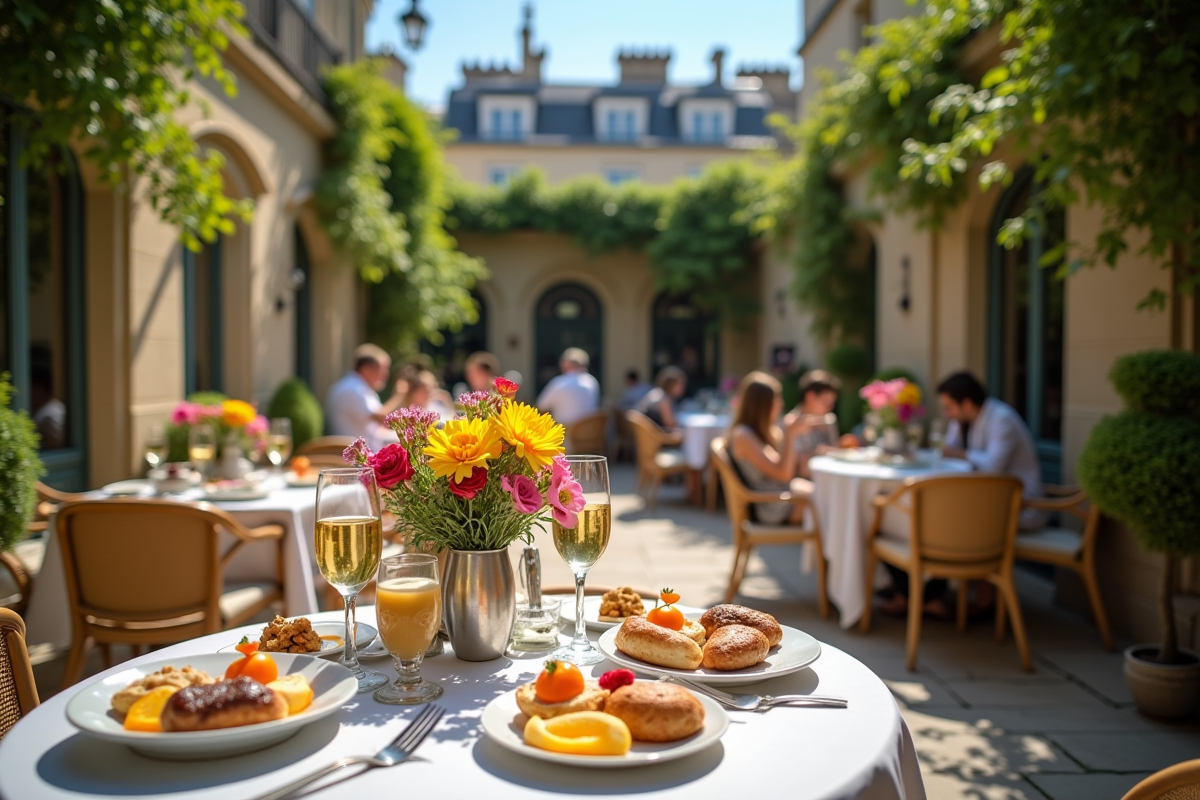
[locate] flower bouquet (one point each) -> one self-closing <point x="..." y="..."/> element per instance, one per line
<point x="232" y="421"/>
<point x="474" y="486"/>
<point x="896" y="404"/>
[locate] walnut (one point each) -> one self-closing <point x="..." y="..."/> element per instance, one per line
<point x="621" y="602"/>
<point x="296" y="636"/>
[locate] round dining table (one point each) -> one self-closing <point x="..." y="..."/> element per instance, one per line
<point x="843" y="489"/>
<point x="863" y="751"/>
<point x="699" y="429"/>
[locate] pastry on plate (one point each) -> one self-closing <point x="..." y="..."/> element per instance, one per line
<point x="656" y="712"/>
<point x="619" y="603"/>
<point x="654" y="644"/>
<point x="174" y="677"/>
<point x="735" y="647"/>
<point x="560" y="689"/>
<point x="728" y="614"/>
<point x="227" y="704"/>
<point x="294" y="636"/>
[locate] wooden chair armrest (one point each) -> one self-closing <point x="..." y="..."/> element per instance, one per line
<point x="1054" y="504"/>
<point x="771" y="497"/>
<point x="1053" y="490"/>
<point x="879" y="501"/>
<point x="271" y="531"/>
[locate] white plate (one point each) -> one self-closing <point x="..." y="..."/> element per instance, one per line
<point x="366" y="635"/>
<point x="591" y="612"/>
<point x="239" y="493"/>
<point x="129" y="488"/>
<point x="793" y="653"/>
<point x="294" y="480"/>
<point x="504" y="724"/>
<point x="91" y="709"/>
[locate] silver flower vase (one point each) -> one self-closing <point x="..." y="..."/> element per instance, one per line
<point x="479" y="603"/>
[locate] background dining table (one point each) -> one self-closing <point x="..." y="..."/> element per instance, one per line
<point x="48" y="619"/>
<point x="843" y="491"/>
<point x="699" y="429"/>
<point x="864" y="751"/>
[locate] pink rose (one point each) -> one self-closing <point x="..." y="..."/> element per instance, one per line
<point x="257" y="426"/>
<point x="467" y="488"/>
<point x="565" y="495"/>
<point x="185" y="414"/>
<point x="526" y="497"/>
<point x="391" y="466"/>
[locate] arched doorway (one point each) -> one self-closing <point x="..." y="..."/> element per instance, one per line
<point x="686" y="336"/>
<point x="567" y="315"/>
<point x="451" y="355"/>
<point x="1025" y="324"/>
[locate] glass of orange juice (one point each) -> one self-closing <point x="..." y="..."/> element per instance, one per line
<point x="408" y="610"/>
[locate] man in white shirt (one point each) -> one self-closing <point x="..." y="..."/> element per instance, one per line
<point x="574" y="394"/>
<point x="352" y="406"/>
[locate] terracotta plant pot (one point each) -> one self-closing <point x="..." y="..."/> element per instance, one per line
<point x="1171" y="691"/>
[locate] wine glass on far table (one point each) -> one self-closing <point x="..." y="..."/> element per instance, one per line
<point x="202" y="446"/>
<point x="156" y="446"/>
<point x="279" y="441"/>
<point x="408" y="611"/>
<point x="348" y="544"/>
<point x="937" y="436"/>
<point x="582" y="546"/>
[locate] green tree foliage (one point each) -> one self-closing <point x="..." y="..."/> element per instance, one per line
<point x="294" y="400"/>
<point x="383" y="202"/>
<point x="110" y="75"/>
<point x="20" y="469"/>
<point x="1142" y="466"/>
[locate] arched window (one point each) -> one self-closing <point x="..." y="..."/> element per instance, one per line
<point x="567" y="315"/>
<point x="685" y="336"/>
<point x="1025" y="325"/>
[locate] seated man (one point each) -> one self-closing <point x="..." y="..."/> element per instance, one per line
<point x="574" y="394"/>
<point x="353" y="407"/>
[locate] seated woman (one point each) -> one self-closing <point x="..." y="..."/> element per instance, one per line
<point x="767" y="458"/>
<point x="659" y="402"/>
<point x="814" y="415"/>
<point x="424" y="391"/>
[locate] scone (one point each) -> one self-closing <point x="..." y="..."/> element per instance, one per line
<point x="654" y="644"/>
<point x="227" y="704"/>
<point x="123" y="700"/>
<point x="735" y="647"/>
<point x="728" y="614"/>
<point x="694" y="631"/>
<point x="592" y="699"/>
<point x="656" y="712"/>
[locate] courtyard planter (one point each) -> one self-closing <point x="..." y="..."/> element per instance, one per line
<point x="1171" y="691"/>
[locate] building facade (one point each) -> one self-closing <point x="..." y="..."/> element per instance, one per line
<point x="115" y="321"/>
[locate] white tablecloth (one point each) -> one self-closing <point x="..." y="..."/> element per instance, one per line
<point x="843" y="494"/>
<point x="864" y="751"/>
<point x="49" y="617"/>
<point x="699" y="429"/>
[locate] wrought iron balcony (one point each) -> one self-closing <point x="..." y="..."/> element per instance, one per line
<point x="285" y="29"/>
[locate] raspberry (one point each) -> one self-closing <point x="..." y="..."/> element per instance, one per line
<point x="615" y="679"/>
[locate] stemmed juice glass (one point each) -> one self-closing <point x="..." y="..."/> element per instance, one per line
<point x="408" y="610"/>
<point x="202" y="447"/>
<point x="156" y="445"/>
<point x="279" y="441"/>
<point x="582" y="546"/>
<point x="348" y="544"/>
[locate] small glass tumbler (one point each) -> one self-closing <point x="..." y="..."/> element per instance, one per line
<point x="535" y="630"/>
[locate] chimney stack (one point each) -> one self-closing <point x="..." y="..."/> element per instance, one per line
<point x="776" y="82"/>
<point x="718" y="59"/>
<point x="531" y="60"/>
<point x="647" y="67"/>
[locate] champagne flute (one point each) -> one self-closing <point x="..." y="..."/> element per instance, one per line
<point x="348" y="544"/>
<point x="202" y="446"/>
<point x="582" y="546"/>
<point x="156" y="445"/>
<point x="937" y="436"/>
<point x="871" y="425"/>
<point x="408" y="610"/>
<point x="279" y="441"/>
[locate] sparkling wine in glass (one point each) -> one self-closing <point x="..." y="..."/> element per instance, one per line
<point x="937" y="436"/>
<point x="582" y="546"/>
<point x="202" y="446"/>
<point x="348" y="543"/>
<point x="408" y="610"/>
<point x="156" y="446"/>
<point x="279" y="441"/>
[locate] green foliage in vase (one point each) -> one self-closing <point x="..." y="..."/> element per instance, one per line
<point x="20" y="469"/>
<point x="383" y="202"/>
<point x="294" y="400"/>
<point x="111" y="76"/>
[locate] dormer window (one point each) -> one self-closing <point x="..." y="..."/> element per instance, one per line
<point x="506" y="118"/>
<point x="505" y="124"/>
<point x="706" y="120"/>
<point x="621" y="126"/>
<point x="708" y="126"/>
<point x="621" y="119"/>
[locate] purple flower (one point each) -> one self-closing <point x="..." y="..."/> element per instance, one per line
<point x="358" y="453"/>
<point x="412" y="424"/>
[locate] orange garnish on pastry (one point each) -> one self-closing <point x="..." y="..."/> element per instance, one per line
<point x="666" y="617"/>
<point x="559" y="682"/>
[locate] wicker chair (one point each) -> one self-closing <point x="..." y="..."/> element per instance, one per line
<point x="325" y="451"/>
<point x="588" y="436"/>
<point x="654" y="462"/>
<point x="1179" y="782"/>
<point x="748" y="534"/>
<point x="144" y="572"/>
<point x="18" y="694"/>
<point x="962" y="527"/>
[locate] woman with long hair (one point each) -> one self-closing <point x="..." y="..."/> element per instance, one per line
<point x="659" y="402"/>
<point x="765" y="456"/>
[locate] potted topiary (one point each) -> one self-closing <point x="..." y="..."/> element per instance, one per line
<point x="20" y="469"/>
<point x="294" y="400"/>
<point x="1142" y="467"/>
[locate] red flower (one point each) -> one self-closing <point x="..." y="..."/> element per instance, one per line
<point x="469" y="487"/>
<point x="391" y="466"/>
<point x="506" y="388"/>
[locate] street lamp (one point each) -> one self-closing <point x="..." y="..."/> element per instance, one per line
<point x="414" y="27"/>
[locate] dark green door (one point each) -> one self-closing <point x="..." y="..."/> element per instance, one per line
<point x="202" y="340"/>
<point x="685" y="336"/>
<point x="451" y="355"/>
<point x="567" y="315"/>
<point x="302" y="309"/>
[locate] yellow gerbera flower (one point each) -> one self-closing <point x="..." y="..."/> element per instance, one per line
<point x="459" y="447"/>
<point x="536" y="437"/>
<point x="237" y="413"/>
<point x="910" y="395"/>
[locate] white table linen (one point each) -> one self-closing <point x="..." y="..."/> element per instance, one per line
<point x="864" y="751"/>
<point x="699" y="430"/>
<point x="842" y="493"/>
<point x="49" y="617"/>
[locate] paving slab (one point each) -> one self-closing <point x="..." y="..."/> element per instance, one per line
<point x="1096" y="786"/>
<point x="1042" y="693"/>
<point x="1129" y="752"/>
<point x="995" y="787"/>
<point x="973" y="751"/>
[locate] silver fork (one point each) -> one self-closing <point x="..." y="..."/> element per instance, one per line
<point x="754" y="702"/>
<point x="399" y="750"/>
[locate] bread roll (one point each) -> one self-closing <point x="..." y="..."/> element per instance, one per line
<point x="722" y="615"/>
<point x="694" y="631"/>
<point x="656" y="712"/>
<point x="735" y="647"/>
<point x="225" y="704"/>
<point x="591" y="699"/>
<point x="657" y="645"/>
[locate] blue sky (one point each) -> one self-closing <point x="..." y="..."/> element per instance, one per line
<point x="583" y="36"/>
